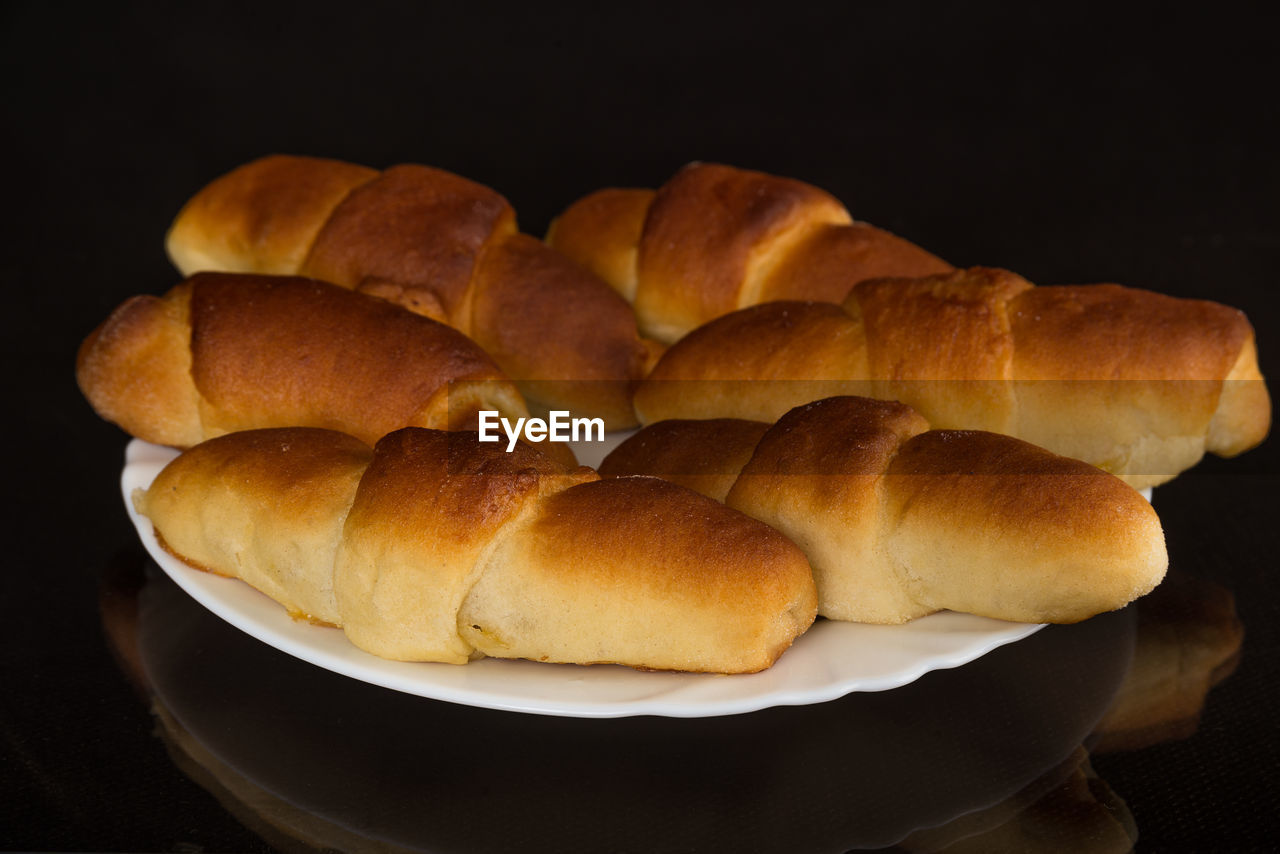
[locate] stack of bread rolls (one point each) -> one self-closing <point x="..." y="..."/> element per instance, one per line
<point x="341" y="328"/>
<point x="438" y="244"/>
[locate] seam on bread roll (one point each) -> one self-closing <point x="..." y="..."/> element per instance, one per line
<point x="513" y="529"/>
<point x="911" y="584"/>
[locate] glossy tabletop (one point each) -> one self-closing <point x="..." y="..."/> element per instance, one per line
<point x="1069" y="148"/>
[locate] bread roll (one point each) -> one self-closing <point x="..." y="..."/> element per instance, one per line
<point x="437" y="547"/>
<point x="224" y="352"/>
<point x="715" y="239"/>
<point x="899" y="520"/>
<point x="1137" y="383"/>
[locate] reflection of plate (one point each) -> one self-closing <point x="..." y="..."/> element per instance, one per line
<point x="289" y="747"/>
<point x="832" y="659"/>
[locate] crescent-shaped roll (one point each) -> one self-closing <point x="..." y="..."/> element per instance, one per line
<point x="1137" y="383"/>
<point x="223" y="352"/>
<point x="434" y="546"/>
<point x="899" y="520"/>
<point x="438" y="244"/>
<point x="715" y="239"/>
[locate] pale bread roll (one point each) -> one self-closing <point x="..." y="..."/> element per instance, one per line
<point x="430" y="508"/>
<point x="898" y="520"/>
<point x="263" y="217"/>
<point x="437" y="547"/>
<point x="223" y="511"/>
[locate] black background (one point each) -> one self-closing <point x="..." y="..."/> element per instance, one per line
<point x="1136" y="146"/>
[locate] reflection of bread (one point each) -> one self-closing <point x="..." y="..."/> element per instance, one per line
<point x="437" y="243"/>
<point x="1134" y="382"/>
<point x="118" y="587"/>
<point x="223" y="352"/>
<point x="899" y="520"/>
<point x="436" y="547"/>
<point x="1188" y="640"/>
<point x="1077" y="813"/>
<point x="283" y="825"/>
<point x="714" y="239"/>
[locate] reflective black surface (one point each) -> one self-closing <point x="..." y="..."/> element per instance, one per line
<point x="1095" y="146"/>
<point x="865" y="771"/>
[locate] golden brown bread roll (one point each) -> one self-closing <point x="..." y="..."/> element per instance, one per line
<point x="438" y="244"/>
<point x="715" y="239"/>
<point x="1137" y="383"/>
<point x="436" y="547"/>
<point x="223" y="352"/>
<point x="899" y="520"/>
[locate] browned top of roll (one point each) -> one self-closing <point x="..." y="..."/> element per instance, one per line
<point x="261" y="217"/>
<point x="971" y="453"/>
<point x="1127" y="333"/>
<point x="601" y="231"/>
<point x="542" y="317"/>
<point x="974" y="478"/>
<point x="1045" y="537"/>
<point x="318" y="354"/>
<point x="782" y="340"/>
<point x="953" y="326"/>
<point x="757" y="363"/>
<point x="711" y="556"/>
<point x="829" y="453"/>
<point x="705" y="456"/>
<point x="716" y="238"/>
<point x="1024" y="482"/>
<point x="836" y="436"/>
<point x="413" y="225"/>
<point x="447" y="487"/>
<point x="707" y="225"/>
<point x="833" y="258"/>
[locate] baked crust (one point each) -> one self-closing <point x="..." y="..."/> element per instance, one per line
<point x="715" y="238"/>
<point x="899" y="520"/>
<point x="437" y="547"/>
<point x="436" y="244"/>
<point x="223" y="352"/>
<point x="261" y="217"/>
<point x="1137" y="383"/>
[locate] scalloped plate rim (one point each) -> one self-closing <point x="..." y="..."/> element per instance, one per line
<point x="829" y="661"/>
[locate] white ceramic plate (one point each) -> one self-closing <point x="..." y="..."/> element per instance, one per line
<point x="830" y="660"/>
